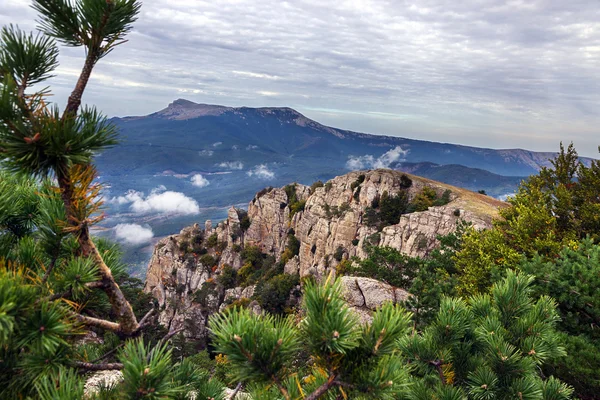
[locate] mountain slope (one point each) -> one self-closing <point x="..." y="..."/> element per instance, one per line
<point x="332" y="226"/>
<point x="171" y="139"/>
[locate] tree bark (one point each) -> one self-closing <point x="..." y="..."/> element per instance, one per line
<point x="98" y="367"/>
<point x="321" y="390"/>
<point x="99" y="323"/>
<point x="120" y="306"/>
<point x="75" y="98"/>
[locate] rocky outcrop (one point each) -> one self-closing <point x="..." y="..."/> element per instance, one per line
<point x="330" y="223"/>
<point x="174" y="277"/>
<point x="365" y="295"/>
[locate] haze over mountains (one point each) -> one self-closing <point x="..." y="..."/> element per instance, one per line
<point x="189" y="162"/>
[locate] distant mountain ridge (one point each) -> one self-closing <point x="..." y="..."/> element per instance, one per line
<point x="287" y="132"/>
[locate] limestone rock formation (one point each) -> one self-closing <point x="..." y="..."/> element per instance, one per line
<point x="365" y="295"/>
<point x="330" y="224"/>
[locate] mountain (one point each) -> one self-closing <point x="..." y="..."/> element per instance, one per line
<point x="189" y="162"/>
<point x="173" y="138"/>
<point x="336" y="222"/>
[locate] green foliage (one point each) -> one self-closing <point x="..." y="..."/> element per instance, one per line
<point x="33" y="329"/>
<point x="357" y="182"/>
<point x="386" y="264"/>
<point x="580" y="368"/>
<point x="99" y="27"/>
<point x="490" y="346"/>
<point x="27" y="59"/>
<point x="405" y="182"/>
<point x="392" y="207"/>
<point x="338" y="255"/>
<point x="315" y="186"/>
<point x="273" y="294"/>
<point x="335" y="211"/>
<point x="295" y="204"/>
<point x="207" y="291"/>
<point x="258" y="349"/>
<point x="227" y="279"/>
<point x="244" y="219"/>
<point x="292" y="248"/>
<point x="572" y="279"/>
<point x="208" y="261"/>
<point x="485" y="347"/>
<point x="424" y="199"/>
<point x="435" y="277"/>
<point x="70" y="387"/>
<point x="212" y="241"/>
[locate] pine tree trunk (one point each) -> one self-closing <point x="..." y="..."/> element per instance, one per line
<point x="128" y="324"/>
<point x="75" y="98"/>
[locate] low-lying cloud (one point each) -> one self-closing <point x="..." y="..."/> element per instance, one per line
<point x="199" y="181"/>
<point x="167" y="202"/>
<point x="384" y="161"/>
<point x="133" y="233"/>
<point x="262" y="172"/>
<point x="206" y="153"/>
<point x="231" y="165"/>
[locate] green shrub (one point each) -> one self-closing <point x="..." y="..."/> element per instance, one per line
<point x="316" y="185"/>
<point x="273" y="294"/>
<point x="339" y="253"/>
<point x="228" y="277"/>
<point x="405" y="182"/>
<point x="212" y="241"/>
<point x="207" y="290"/>
<point x="392" y="207"/>
<point x="244" y="219"/>
<point x="357" y="182"/>
<point x="208" y="261"/>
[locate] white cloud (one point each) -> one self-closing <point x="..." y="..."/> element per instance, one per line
<point x="261" y="171"/>
<point x="157" y="201"/>
<point x="390" y="156"/>
<point x="235" y="147"/>
<point x="231" y="165"/>
<point x="206" y="153"/>
<point x="217" y="144"/>
<point x="133" y="233"/>
<point x="384" y="161"/>
<point x="199" y="180"/>
<point x="251" y="147"/>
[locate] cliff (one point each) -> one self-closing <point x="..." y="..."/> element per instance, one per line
<point x="330" y="222"/>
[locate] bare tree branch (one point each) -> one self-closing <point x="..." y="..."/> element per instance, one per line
<point x="97" y="367"/>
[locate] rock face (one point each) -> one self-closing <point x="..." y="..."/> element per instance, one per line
<point x="330" y="224"/>
<point x="365" y="295"/>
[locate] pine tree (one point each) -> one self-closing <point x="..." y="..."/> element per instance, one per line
<point x="490" y="346"/>
<point x="56" y="281"/>
<point x="486" y="347"/>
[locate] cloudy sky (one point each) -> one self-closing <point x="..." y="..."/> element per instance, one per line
<point x="487" y="73"/>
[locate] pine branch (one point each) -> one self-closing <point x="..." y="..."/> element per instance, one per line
<point x="321" y="390"/>
<point x="98" y="323"/>
<point x="108" y="354"/>
<point x="236" y="391"/>
<point x="97" y="367"/>
<point x="67" y="293"/>
<point x="146" y="318"/>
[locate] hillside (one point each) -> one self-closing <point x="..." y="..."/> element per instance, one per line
<point x="307" y="232"/>
<point x="474" y="179"/>
<point x="172" y="138"/>
<point x="189" y="162"/>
